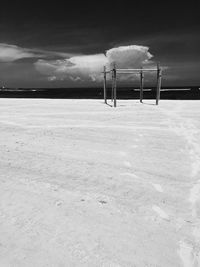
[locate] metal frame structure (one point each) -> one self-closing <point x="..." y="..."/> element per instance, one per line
<point x="114" y="72"/>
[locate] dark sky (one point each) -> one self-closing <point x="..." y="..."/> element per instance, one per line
<point x="170" y="30"/>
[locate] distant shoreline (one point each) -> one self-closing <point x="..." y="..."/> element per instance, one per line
<point x="187" y="92"/>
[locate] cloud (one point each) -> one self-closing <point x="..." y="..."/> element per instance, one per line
<point x="10" y="53"/>
<point x="75" y="68"/>
<point x="51" y="78"/>
<point x="132" y="56"/>
<point x="75" y="79"/>
<point x="88" y="68"/>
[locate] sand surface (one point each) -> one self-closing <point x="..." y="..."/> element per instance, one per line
<point x="84" y="184"/>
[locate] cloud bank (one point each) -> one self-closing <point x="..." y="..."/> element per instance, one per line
<point x="10" y="53"/>
<point x="76" y="68"/>
<point x="57" y="66"/>
<point x="88" y="68"/>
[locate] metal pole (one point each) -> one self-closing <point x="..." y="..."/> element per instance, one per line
<point x="104" y="85"/>
<point x="115" y="85"/>
<point x="159" y="75"/>
<point x="141" y="85"/>
<point x="112" y="89"/>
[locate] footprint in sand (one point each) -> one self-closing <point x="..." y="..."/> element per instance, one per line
<point x="127" y="164"/>
<point x="160" y="212"/>
<point x="194" y="197"/>
<point x="186" y="255"/>
<point x="130" y="174"/>
<point x="58" y="203"/>
<point x="158" y="187"/>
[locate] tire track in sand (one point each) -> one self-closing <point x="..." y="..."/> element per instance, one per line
<point x="189" y="254"/>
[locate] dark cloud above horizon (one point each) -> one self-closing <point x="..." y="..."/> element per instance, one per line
<point x="63" y="30"/>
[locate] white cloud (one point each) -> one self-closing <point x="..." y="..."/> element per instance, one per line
<point x="84" y="67"/>
<point x="132" y="56"/>
<point x="52" y="78"/>
<point x="75" y="79"/>
<point x="89" y="67"/>
<point x="9" y="53"/>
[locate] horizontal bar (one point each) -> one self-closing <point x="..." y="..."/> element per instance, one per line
<point x="136" y="69"/>
<point x="108" y="71"/>
<point x="126" y="70"/>
<point x="130" y="70"/>
<point x="123" y="72"/>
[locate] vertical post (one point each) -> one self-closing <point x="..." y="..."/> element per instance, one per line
<point x="104" y="85"/>
<point x="141" y="85"/>
<point x="159" y="75"/>
<point x="112" y="89"/>
<point x="160" y="81"/>
<point x="115" y="85"/>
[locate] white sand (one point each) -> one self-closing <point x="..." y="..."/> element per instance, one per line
<point x="84" y="184"/>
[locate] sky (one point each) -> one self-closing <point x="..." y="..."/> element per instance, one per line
<point x="66" y="44"/>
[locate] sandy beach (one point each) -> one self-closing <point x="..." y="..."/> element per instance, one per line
<point x="85" y="184"/>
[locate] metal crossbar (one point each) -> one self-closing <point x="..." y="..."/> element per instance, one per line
<point x="136" y="70"/>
